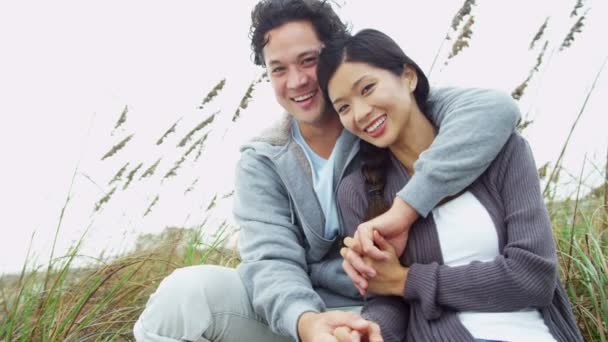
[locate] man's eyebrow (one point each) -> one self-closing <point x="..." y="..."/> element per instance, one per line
<point x="355" y="85"/>
<point x="299" y="56"/>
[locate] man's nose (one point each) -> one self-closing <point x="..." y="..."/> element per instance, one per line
<point x="296" y="78"/>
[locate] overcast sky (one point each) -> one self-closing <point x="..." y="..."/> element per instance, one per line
<point x="68" y="69"/>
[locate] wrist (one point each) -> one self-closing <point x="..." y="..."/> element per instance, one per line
<point x="398" y="287"/>
<point x="406" y="212"/>
<point x="304" y="322"/>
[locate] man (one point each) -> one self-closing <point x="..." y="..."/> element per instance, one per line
<point x="290" y="284"/>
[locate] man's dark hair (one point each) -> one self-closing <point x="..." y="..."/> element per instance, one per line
<point x="270" y="14"/>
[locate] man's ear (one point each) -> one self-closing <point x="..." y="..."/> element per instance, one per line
<point x="410" y="76"/>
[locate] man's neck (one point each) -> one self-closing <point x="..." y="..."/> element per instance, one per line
<point x="321" y="137"/>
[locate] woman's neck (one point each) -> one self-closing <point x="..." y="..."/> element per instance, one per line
<point x="417" y="135"/>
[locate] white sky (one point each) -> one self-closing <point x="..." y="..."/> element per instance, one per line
<point x="68" y="65"/>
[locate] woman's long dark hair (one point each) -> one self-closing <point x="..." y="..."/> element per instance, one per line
<point x="377" y="49"/>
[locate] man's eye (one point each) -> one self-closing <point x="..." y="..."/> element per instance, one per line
<point x="308" y="61"/>
<point x="367" y="88"/>
<point x="277" y="70"/>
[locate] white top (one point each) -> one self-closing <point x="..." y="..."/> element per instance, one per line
<point x="323" y="182"/>
<point x="467" y="233"/>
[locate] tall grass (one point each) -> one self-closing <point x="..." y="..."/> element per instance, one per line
<point x="100" y="302"/>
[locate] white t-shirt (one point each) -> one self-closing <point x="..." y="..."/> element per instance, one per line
<point x="323" y="182"/>
<point x="467" y="233"/>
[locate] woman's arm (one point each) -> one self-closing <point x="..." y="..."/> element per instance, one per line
<point x="523" y="276"/>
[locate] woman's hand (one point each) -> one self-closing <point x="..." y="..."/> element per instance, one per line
<point x="390" y="275"/>
<point x="385" y="276"/>
<point x="394" y="225"/>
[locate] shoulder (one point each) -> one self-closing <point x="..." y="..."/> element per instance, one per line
<point x="351" y="191"/>
<point x="277" y="133"/>
<point x="515" y="156"/>
<point x="439" y="96"/>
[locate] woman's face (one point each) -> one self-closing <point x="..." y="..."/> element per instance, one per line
<point x="373" y="103"/>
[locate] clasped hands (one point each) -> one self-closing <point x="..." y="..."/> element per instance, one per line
<point x="371" y="256"/>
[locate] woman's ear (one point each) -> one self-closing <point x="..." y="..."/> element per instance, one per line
<point x="410" y="77"/>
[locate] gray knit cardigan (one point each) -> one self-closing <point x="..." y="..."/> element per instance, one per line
<point x="525" y="275"/>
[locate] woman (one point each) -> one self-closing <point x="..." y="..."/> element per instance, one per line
<point x="483" y="265"/>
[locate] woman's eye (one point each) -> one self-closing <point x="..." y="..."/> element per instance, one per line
<point x="367" y="88"/>
<point x="342" y="109"/>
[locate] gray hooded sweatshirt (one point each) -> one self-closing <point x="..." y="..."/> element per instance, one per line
<point x="288" y="267"/>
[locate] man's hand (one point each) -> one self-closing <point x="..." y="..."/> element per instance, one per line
<point x="394" y="225"/>
<point x="313" y="326"/>
<point x="345" y="334"/>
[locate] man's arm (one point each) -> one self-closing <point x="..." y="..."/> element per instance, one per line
<point x="473" y="126"/>
<point x="273" y="267"/>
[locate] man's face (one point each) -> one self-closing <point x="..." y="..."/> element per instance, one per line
<point x="291" y="57"/>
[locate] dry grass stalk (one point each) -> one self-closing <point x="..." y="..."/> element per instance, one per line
<point x="213" y="93"/>
<point x="465" y="10"/>
<point x="196" y="144"/>
<point x="519" y="91"/>
<point x="247" y="97"/>
<point x="605" y="222"/>
<point x="555" y="172"/>
<point x="169" y="131"/>
<point x="152" y="204"/>
<point x="572" y="228"/>
<point x="173" y="171"/>
<point x="576" y="28"/>
<point x="117" y="147"/>
<point x="212" y="203"/>
<point x="131" y="175"/>
<point x="196" y="129"/>
<point x="579" y="5"/>
<point x="150" y="171"/>
<point x="463" y="38"/>
<point x="104" y="199"/>
<point x="191" y="187"/>
<point x="539" y="34"/>
<point x="123" y="118"/>
<point x="200" y="148"/>
<point x="119" y="174"/>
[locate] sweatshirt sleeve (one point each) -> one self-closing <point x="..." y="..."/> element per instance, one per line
<point x="273" y="268"/>
<point x="523" y="276"/>
<point x="473" y="126"/>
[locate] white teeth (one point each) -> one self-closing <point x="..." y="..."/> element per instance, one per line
<point x="376" y="124"/>
<point x="304" y="97"/>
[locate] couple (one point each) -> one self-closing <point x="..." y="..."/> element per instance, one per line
<point x="481" y="255"/>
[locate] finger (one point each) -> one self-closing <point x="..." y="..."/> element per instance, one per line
<point x="353" y="243"/>
<point x="357" y="279"/>
<point x="342" y="334"/>
<point x="355" y="336"/>
<point x="366" y="239"/>
<point x="374" y="333"/>
<point x="356" y="261"/>
<point x="381" y="242"/>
